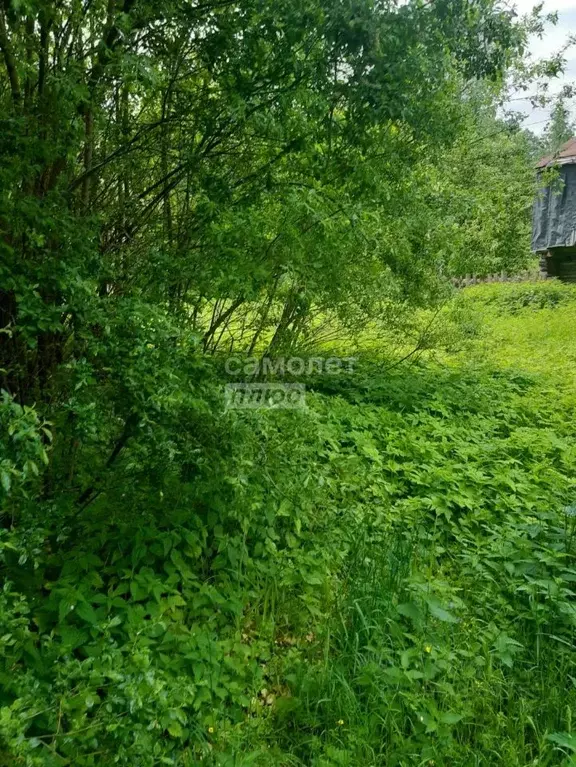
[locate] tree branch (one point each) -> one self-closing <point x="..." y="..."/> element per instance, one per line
<point x="10" y="61"/>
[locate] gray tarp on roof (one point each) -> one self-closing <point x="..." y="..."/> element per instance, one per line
<point x="554" y="212"/>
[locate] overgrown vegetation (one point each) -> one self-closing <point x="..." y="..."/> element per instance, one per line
<point x="384" y="578"/>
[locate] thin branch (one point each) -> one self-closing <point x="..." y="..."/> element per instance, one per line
<point x="10" y="61"/>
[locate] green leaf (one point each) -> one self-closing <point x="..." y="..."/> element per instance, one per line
<point x="175" y="729"/>
<point x="87" y="613"/>
<point x="5" y="480"/>
<point x="450" y="717"/>
<point x="441" y="614"/>
<point x="410" y="610"/>
<point x="564" y="739"/>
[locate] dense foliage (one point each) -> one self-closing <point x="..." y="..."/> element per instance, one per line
<point x="181" y="584"/>
<point x="221" y="164"/>
<point x="383" y="578"/>
<point x="560" y="128"/>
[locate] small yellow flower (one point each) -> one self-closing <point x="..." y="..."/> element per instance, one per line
<point x="428" y="648"/>
<point x="340" y="722"/>
<point x="210" y="730"/>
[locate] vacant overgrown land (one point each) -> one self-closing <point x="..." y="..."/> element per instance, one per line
<point x="287" y="433"/>
<point x="386" y="578"/>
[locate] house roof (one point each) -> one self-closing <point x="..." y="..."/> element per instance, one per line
<point x="564" y="156"/>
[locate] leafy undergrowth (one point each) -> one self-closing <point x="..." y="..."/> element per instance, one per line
<point x="386" y="579"/>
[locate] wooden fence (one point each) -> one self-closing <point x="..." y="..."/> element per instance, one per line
<point x="473" y="279"/>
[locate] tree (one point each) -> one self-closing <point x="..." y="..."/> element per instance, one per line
<point x="174" y="175"/>
<point x="560" y="128"/>
<point x="148" y="149"/>
<point x="486" y="186"/>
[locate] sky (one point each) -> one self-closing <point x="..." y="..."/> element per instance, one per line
<point x="555" y="37"/>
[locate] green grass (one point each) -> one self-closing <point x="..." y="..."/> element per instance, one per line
<point x="540" y="342"/>
<point x="445" y="635"/>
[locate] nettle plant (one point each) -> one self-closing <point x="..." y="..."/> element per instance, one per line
<point x="23" y="451"/>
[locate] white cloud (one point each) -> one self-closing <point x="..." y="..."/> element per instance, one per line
<point x="525" y="6"/>
<point x="553" y="40"/>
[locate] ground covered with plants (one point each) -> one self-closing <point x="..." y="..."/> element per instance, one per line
<point x="386" y="578"/>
